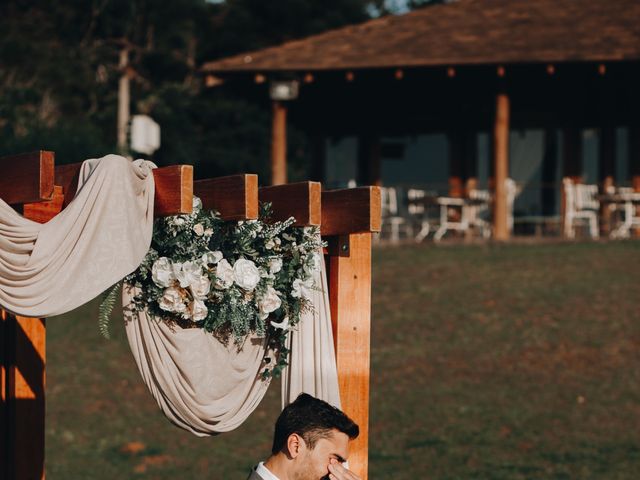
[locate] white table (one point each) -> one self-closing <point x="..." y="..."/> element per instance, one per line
<point x="630" y="203"/>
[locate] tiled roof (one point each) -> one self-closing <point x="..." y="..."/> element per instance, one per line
<point x="463" y="32"/>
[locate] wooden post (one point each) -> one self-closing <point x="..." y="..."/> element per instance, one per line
<point x="279" y="144"/>
<point x="235" y="197"/>
<point x="348" y="218"/>
<point x="501" y="162"/>
<point x="123" y="101"/>
<point x="22" y="340"/>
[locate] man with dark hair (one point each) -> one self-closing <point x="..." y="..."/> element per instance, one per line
<point x="310" y="442"/>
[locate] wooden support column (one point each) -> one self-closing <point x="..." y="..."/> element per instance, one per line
<point x="369" y="160"/>
<point x="27" y="181"/>
<point x="501" y="165"/>
<point x="456" y="164"/>
<point x="235" y="197"/>
<point x="24" y="178"/>
<point x="279" y="144"/>
<point x="348" y="218"/>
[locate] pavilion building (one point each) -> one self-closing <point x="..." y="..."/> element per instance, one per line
<point x="462" y="95"/>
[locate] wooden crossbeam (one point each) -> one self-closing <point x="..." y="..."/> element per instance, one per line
<point x="174" y="192"/>
<point x="351" y="210"/>
<point x="235" y="197"/>
<point x="299" y="200"/>
<point x="27" y="177"/>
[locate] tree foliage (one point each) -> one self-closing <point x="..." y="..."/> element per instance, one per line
<point x="59" y="73"/>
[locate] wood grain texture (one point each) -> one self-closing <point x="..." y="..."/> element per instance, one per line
<point x="27" y="177"/>
<point x="351" y="210"/>
<point x="301" y="200"/>
<point x="174" y="190"/>
<point x="174" y="187"/>
<point x="350" y="298"/>
<point x="279" y="144"/>
<point x="42" y="212"/>
<point x="235" y="197"/>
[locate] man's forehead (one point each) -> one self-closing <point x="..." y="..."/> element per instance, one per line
<point x="337" y="442"/>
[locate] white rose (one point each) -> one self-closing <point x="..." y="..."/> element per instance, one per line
<point x="171" y="300"/>
<point x="211" y="257"/>
<point x="269" y="302"/>
<point x="269" y="245"/>
<point x="275" y="264"/>
<point x="196" y="204"/>
<point x="246" y="274"/>
<point x="199" y="229"/>
<point x="178" y="221"/>
<point x="312" y="263"/>
<point x="302" y="288"/>
<point x="187" y="273"/>
<point x="224" y="275"/>
<point x="199" y="310"/>
<point x="284" y="324"/>
<point x="201" y="287"/>
<point x="162" y="272"/>
<point x="208" y="232"/>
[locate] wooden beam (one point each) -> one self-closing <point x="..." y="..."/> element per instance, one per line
<point x="501" y="167"/>
<point x="279" y="144"/>
<point x="299" y="200"/>
<point x="349" y="279"/>
<point x="351" y="210"/>
<point x="235" y="197"/>
<point x="27" y="177"/>
<point x="174" y="191"/>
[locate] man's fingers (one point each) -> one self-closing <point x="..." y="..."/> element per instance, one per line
<point x="338" y="472"/>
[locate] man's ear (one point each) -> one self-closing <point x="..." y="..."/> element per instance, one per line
<point x="295" y="445"/>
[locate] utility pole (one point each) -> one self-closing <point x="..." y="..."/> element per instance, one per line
<point x="123" y="101"/>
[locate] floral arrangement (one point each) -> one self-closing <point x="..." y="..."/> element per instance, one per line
<point x="230" y="278"/>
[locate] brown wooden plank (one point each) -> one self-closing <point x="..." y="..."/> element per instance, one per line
<point x="351" y="210"/>
<point x="27" y="177"/>
<point x="174" y="187"/>
<point x="42" y="212"/>
<point x="174" y="190"/>
<point x="235" y="197"/>
<point x="349" y="271"/>
<point x="300" y="200"/>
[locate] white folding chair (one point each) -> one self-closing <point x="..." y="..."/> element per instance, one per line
<point x="478" y="212"/>
<point x="390" y="218"/>
<point x="418" y="210"/>
<point x="581" y="206"/>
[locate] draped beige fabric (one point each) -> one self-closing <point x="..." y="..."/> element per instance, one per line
<point x="103" y="234"/>
<point x="206" y="387"/>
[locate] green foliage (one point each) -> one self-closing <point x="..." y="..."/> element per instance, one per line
<point x="106" y="307"/>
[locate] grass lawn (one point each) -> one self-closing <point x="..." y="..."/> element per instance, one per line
<point x="488" y="362"/>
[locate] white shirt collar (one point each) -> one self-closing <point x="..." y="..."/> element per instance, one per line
<point x="265" y="473"/>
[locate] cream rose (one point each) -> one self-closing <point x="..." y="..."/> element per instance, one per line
<point x="198" y="310"/>
<point x="162" y="272"/>
<point x="201" y="287"/>
<point x="269" y="302"/>
<point x="187" y="273"/>
<point x="302" y="288"/>
<point x="224" y="275"/>
<point x="246" y="274"/>
<point x="198" y="229"/>
<point x="171" y="300"/>
<point x="211" y="257"/>
<point x="275" y="265"/>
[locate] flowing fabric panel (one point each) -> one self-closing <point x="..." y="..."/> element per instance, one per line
<point x="100" y="237"/>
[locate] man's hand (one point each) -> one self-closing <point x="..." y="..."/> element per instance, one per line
<point x="338" y="472"/>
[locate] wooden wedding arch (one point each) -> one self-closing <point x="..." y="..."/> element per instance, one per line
<point x="33" y="185"/>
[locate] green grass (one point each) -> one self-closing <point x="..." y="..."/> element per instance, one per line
<point x="488" y="362"/>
